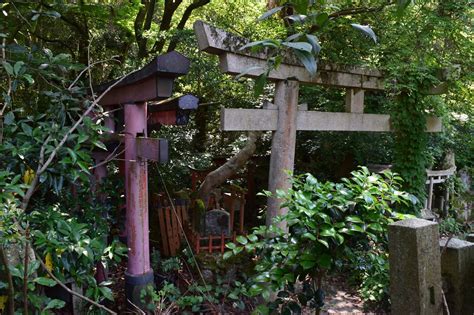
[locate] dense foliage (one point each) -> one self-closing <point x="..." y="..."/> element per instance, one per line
<point x="325" y="220"/>
<point x="53" y="52"/>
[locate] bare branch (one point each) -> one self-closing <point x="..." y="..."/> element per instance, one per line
<point x="87" y="69"/>
<point x="43" y="166"/>
<point x="62" y="285"/>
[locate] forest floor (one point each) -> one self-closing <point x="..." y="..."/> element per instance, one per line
<point x="341" y="298"/>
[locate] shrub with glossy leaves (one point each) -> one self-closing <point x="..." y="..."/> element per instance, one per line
<point x="323" y="220"/>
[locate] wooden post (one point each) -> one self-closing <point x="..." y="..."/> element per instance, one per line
<point x="283" y="145"/>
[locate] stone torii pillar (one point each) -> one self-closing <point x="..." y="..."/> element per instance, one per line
<point x="154" y="82"/>
<point x="284" y="118"/>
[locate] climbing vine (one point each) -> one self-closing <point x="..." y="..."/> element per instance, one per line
<point x="409" y="110"/>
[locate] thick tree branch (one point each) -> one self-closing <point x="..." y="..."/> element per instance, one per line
<point x="229" y="168"/>
<point x="186" y="15"/>
<point x="165" y="25"/>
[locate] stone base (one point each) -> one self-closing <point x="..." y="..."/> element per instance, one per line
<point x="134" y="284"/>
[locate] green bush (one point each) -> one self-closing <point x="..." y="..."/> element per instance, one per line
<point x="324" y="220"/>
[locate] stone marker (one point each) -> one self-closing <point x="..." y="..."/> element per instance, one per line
<point x="457" y="269"/>
<point x="415" y="271"/>
<point x="216" y="222"/>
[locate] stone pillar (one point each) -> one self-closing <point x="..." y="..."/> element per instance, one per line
<point x="457" y="269"/>
<point x="283" y="145"/>
<point x="415" y="270"/>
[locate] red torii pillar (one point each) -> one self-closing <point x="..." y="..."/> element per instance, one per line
<point x="154" y="82"/>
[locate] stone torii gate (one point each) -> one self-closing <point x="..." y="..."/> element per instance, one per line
<point x="284" y="117"/>
<point x="138" y="93"/>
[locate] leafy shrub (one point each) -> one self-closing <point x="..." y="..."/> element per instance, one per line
<point x="370" y="273"/>
<point x="324" y="219"/>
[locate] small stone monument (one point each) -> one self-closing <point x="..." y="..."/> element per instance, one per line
<point x="217" y="222"/>
<point x="457" y="267"/>
<point x="415" y="268"/>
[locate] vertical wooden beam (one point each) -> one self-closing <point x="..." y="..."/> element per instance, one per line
<point x="283" y="145"/>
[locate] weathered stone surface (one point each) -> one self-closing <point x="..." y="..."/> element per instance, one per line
<point x="457" y="268"/>
<point x="415" y="271"/>
<point x="470" y="238"/>
<point x="239" y="119"/>
<point x="217" y="222"/>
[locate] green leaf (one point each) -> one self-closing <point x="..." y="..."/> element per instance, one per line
<point x="328" y="232"/>
<point x="324" y="242"/>
<point x="260" y="84"/>
<point x="28" y="78"/>
<point x="247" y="71"/>
<point x="107" y="293"/>
<point x="353" y="219"/>
<point x="324" y="261"/>
<point x="9" y="118"/>
<point x="307" y="261"/>
<point x="100" y="145"/>
<point x="321" y="19"/>
<point x="270" y="13"/>
<point x="303" y="46"/>
<point x="17" y="67"/>
<point x="227" y="255"/>
<point x="376" y="227"/>
<point x="241" y="239"/>
<point x="301" y="6"/>
<point x="72" y="154"/>
<point x="263" y="43"/>
<point x="252" y="237"/>
<point x="310" y="236"/>
<point x="27" y="129"/>
<point x="313" y="40"/>
<point x="230" y="245"/>
<point x="356" y="228"/>
<point x="308" y="60"/>
<point x="365" y="29"/>
<point x="261" y="310"/>
<point x="8" y="67"/>
<point x="45" y="281"/>
<point x="55" y="303"/>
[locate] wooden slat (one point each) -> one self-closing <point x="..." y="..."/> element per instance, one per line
<point x="233" y="119"/>
<point x="242" y="213"/>
<point x="169" y="231"/>
<point x="163" y="232"/>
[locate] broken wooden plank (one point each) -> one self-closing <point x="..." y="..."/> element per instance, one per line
<point x="233" y="119"/>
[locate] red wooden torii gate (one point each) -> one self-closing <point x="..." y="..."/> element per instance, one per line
<point x="154" y="82"/>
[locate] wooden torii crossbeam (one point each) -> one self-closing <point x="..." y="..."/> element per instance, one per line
<point x="283" y="117"/>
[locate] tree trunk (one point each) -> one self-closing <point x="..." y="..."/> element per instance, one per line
<point x="228" y="169"/>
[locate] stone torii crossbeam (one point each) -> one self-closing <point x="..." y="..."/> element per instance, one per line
<point x="283" y="117"/>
